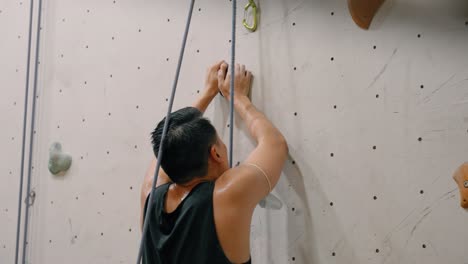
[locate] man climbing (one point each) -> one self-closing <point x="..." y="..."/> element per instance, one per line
<point x="202" y="209"/>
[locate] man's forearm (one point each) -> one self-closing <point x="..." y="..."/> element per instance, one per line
<point x="258" y="124"/>
<point x="203" y="101"/>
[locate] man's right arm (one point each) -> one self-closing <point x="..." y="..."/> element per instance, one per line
<point x="259" y="173"/>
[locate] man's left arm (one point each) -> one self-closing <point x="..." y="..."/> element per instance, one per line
<point x="211" y="86"/>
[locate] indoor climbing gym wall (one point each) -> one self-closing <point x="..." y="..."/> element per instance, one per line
<point x="376" y="122"/>
<point x="13" y="57"/>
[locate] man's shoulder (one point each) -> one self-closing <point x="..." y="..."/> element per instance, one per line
<point x="229" y="180"/>
<point x="237" y="187"/>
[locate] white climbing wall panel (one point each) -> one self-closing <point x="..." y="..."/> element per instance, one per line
<point x="13" y="52"/>
<point x="377" y="122"/>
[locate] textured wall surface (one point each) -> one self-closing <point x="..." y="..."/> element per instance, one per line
<point x="376" y="121"/>
<point x="13" y="52"/>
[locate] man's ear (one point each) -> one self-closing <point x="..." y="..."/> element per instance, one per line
<point x="215" y="154"/>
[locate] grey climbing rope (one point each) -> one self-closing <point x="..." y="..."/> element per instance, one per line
<point x="232" y="68"/>
<point x="31" y="135"/>
<point x="166" y="124"/>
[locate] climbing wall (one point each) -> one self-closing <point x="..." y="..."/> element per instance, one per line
<point x="376" y="121"/>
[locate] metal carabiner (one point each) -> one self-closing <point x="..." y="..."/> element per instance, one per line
<point x="252" y="5"/>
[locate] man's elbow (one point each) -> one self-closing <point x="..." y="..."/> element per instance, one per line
<point x="276" y="142"/>
<point x="283" y="145"/>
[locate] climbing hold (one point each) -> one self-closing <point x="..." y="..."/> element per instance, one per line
<point x="271" y="202"/>
<point x="58" y="161"/>
<point x="461" y="178"/>
<point x="363" y="11"/>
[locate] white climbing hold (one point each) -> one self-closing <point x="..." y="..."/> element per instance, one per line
<point x="58" y="161"/>
<point x="271" y="202"/>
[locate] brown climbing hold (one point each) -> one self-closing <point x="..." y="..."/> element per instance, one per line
<point x="363" y="11"/>
<point x="461" y="178"/>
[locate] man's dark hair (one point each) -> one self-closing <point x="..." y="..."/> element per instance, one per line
<point x="186" y="145"/>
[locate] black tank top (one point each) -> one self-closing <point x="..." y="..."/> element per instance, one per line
<point x="186" y="235"/>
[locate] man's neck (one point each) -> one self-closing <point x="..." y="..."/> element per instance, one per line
<point x="212" y="175"/>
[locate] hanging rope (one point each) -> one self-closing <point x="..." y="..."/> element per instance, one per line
<point x="31" y="135"/>
<point x="166" y="124"/>
<point x="232" y="68"/>
<point x="23" y="144"/>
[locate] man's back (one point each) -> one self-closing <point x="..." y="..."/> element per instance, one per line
<point x="186" y="234"/>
